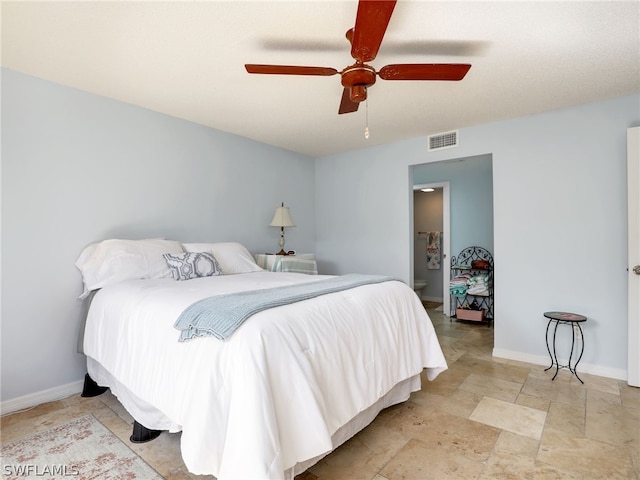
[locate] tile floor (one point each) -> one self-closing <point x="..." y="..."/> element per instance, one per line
<point x="481" y="419"/>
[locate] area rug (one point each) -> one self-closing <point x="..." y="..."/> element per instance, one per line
<point x="80" y="449"/>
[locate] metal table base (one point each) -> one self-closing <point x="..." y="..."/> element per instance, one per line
<point x="577" y="340"/>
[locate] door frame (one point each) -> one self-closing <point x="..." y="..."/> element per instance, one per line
<point x="445" y="239"/>
<point x="633" y="259"/>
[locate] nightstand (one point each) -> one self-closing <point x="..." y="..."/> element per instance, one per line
<point x="300" y="263"/>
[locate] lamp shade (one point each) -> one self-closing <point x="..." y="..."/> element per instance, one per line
<point x="282" y="218"/>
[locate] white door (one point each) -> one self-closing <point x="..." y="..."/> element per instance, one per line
<point x="633" y="198"/>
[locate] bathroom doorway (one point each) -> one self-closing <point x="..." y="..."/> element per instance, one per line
<point x="431" y="241"/>
<point x="469" y="182"/>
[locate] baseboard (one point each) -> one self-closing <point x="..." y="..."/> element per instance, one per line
<point x="43" y="396"/>
<point x="432" y="299"/>
<point x="598" y="370"/>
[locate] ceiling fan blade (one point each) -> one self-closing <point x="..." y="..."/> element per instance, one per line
<point x="290" y="70"/>
<point x="424" y="71"/>
<point x="346" y="105"/>
<point x="372" y="20"/>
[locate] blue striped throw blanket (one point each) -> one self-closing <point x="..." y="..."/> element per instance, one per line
<point x="221" y="315"/>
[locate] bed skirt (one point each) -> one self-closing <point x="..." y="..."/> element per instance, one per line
<point x="152" y="418"/>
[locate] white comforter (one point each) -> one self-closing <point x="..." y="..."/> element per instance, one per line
<point x="275" y="392"/>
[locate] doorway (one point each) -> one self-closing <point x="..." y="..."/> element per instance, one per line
<point x="431" y="221"/>
<point x="469" y="210"/>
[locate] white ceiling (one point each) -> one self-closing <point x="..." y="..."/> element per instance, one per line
<point x="186" y="59"/>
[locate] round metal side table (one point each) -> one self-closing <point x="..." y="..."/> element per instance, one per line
<point x="577" y="340"/>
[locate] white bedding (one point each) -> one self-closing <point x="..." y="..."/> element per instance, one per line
<point x="272" y="395"/>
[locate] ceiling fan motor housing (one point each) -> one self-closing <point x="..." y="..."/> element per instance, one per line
<point x="357" y="78"/>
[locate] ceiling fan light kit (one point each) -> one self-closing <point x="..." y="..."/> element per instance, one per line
<point x="372" y="19"/>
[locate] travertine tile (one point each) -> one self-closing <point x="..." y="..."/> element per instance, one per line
<point x="420" y="461"/>
<point x="360" y="458"/>
<point x="525" y="421"/>
<point x="508" y="466"/>
<point x="517" y="444"/>
<point x="448" y="338"/>
<point x="533" y="402"/>
<point x="200" y="477"/>
<point x="613" y="424"/>
<point x="25" y="416"/>
<point x="598" y="396"/>
<point x="630" y="396"/>
<point x="16" y="430"/>
<point x="446" y="383"/>
<point x="586" y="457"/>
<point x="517" y="363"/>
<point x="83" y="404"/>
<point x="491" y="387"/>
<point x="163" y="452"/>
<point x="567" y="419"/>
<point x="487" y="367"/>
<point x="476" y="351"/>
<point x="451" y="352"/>
<point x="54" y="415"/>
<point x="307" y="476"/>
<point x="554" y="390"/>
<point x="434" y="428"/>
<point x="459" y="402"/>
<point x="180" y="474"/>
<point x="564" y="376"/>
<point x="601" y="384"/>
<point x="542" y="471"/>
<point x="590" y="431"/>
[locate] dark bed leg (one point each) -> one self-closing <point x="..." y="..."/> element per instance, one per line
<point x="142" y="434"/>
<point x="91" y="388"/>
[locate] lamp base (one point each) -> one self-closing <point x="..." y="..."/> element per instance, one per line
<point x="282" y="252"/>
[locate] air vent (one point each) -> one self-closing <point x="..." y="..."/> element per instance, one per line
<point x="443" y="140"/>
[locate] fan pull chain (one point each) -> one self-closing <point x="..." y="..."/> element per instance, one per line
<point x="366" y="113"/>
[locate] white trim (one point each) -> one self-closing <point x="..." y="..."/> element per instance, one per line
<point x="43" y="396"/>
<point x="633" y="215"/>
<point x="598" y="370"/>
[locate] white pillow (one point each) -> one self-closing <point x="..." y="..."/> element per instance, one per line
<point x="112" y="261"/>
<point x="232" y="257"/>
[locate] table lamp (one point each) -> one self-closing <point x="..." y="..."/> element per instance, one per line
<point x="282" y="218"/>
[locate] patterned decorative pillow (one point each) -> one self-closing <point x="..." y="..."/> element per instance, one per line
<point x="192" y="265"/>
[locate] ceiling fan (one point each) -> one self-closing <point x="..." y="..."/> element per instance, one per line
<point x="372" y="19"/>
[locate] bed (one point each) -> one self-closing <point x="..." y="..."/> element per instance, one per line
<point x="287" y="387"/>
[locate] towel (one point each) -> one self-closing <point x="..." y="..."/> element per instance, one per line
<point x="433" y="250"/>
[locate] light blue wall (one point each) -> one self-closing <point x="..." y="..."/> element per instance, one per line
<point x="471" y="195"/>
<point x="559" y="201"/>
<point x="78" y="168"/>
